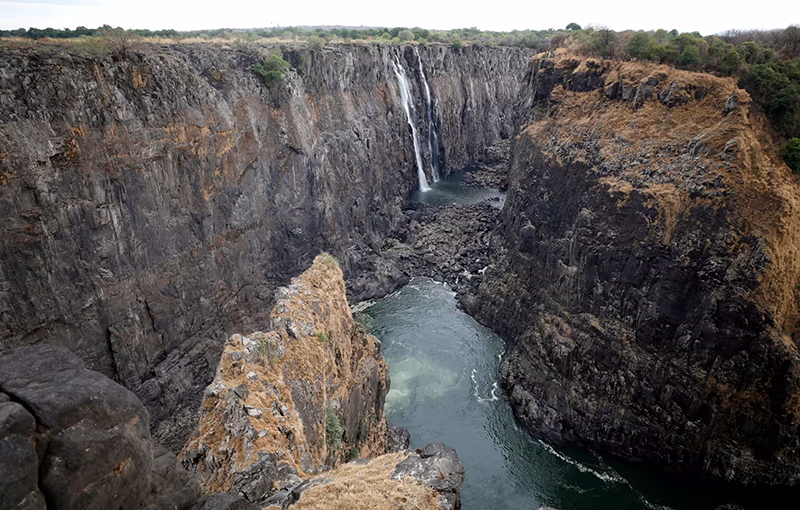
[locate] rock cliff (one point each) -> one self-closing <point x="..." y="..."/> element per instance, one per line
<point x="151" y="205"/>
<point x="645" y="272"/>
<point x="70" y="438"/>
<point x="309" y="392"/>
<point x="303" y="398"/>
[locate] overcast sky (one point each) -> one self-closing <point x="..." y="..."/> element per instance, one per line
<point x="705" y="16"/>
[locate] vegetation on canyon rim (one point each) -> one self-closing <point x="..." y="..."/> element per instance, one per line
<point x="766" y="62"/>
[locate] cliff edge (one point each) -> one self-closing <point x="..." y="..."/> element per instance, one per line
<point x="302" y="398"/>
<point x="645" y="271"/>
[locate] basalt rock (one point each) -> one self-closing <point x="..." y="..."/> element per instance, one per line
<point x="151" y="205"/>
<point x="70" y="438"/>
<point x="429" y="478"/>
<point x="309" y="392"/>
<point x="436" y="466"/>
<point x="644" y="273"/>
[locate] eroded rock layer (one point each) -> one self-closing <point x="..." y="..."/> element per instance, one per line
<point x="645" y="272"/>
<point x="309" y="393"/>
<point x="151" y="205"/>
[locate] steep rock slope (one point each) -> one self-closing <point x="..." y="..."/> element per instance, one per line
<point x="304" y="397"/>
<point x="150" y="206"/>
<point x="311" y="388"/>
<point x="72" y="438"/>
<point x="645" y="272"/>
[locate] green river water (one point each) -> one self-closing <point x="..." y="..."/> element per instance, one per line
<point x="444" y="368"/>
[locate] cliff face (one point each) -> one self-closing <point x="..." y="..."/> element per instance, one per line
<point x="311" y="390"/>
<point x="305" y="397"/>
<point x="645" y="272"/>
<point x="151" y="206"/>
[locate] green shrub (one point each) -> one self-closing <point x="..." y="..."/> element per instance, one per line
<point x="333" y="430"/>
<point x="353" y="454"/>
<point x="272" y="69"/>
<point x="775" y="86"/>
<point x="328" y="259"/>
<point x="456" y="43"/>
<point x="665" y="54"/>
<point x="732" y="60"/>
<point x="268" y="348"/>
<point x="406" y="35"/>
<point x="315" y="42"/>
<point x="322" y="338"/>
<point x="689" y="57"/>
<point x="791" y="154"/>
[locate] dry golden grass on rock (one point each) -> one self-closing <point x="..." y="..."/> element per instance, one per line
<point x="317" y="357"/>
<point x="639" y="148"/>
<point x="368" y="487"/>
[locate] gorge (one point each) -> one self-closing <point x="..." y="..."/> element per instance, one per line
<point x="642" y="268"/>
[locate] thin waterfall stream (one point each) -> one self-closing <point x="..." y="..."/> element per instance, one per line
<point x="433" y="138"/>
<point x="408" y="106"/>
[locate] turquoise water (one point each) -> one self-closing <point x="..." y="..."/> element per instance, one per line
<point x="450" y="190"/>
<point x="444" y="368"/>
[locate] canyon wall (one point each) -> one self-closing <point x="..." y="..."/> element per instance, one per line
<point x="298" y="400"/>
<point x="645" y="272"/>
<point x="309" y="392"/>
<point x="151" y="205"/>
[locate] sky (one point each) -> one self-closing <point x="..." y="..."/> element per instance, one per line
<point x="704" y="16"/>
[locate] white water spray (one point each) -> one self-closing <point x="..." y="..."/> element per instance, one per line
<point x="433" y="138"/>
<point x="408" y="106"/>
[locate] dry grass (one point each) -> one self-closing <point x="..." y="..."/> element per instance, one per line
<point x="758" y="186"/>
<point x="368" y="487"/>
<point x="330" y="370"/>
<point x="671" y="203"/>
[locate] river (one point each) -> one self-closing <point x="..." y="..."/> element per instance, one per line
<point x="444" y="368"/>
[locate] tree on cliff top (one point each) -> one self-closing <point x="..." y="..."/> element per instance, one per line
<point x="406" y="35"/>
<point x="689" y="57"/>
<point x="573" y="26"/>
<point x="791" y="154"/>
<point x="272" y="69"/>
<point x="120" y="41"/>
<point x="639" y="45"/>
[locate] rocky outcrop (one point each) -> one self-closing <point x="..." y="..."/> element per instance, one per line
<point x="151" y="205"/>
<point x="429" y="478"/>
<point x="645" y="272"/>
<point x="70" y="438"/>
<point x="301" y="399"/>
<point x="305" y="395"/>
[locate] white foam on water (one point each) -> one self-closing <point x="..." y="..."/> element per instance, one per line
<point x="418" y="379"/>
<point x="654" y="506"/>
<point x="606" y="477"/>
<point x="363" y="305"/>
<point x="492" y="395"/>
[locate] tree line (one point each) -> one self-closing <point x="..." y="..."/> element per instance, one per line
<point x="766" y="62"/>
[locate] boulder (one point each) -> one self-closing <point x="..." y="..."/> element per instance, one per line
<point x="398" y="438"/>
<point x="18" y="474"/>
<point x="92" y="435"/>
<point x="78" y="440"/>
<point x="436" y="466"/>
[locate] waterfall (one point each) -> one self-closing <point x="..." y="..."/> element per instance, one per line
<point x="408" y="106"/>
<point x="433" y="138"/>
